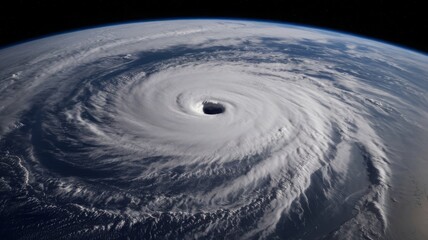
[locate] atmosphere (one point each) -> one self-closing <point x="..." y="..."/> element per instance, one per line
<point x="398" y="22"/>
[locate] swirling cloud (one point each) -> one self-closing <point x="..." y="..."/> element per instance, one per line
<point x="200" y="128"/>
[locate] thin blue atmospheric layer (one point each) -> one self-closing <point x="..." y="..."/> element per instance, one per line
<point x="218" y="18"/>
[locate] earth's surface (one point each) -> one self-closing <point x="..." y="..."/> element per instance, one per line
<point x="212" y="129"/>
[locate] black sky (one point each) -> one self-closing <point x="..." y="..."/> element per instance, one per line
<point x="404" y="23"/>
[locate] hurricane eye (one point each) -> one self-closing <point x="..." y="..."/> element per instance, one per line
<point x="212" y="108"/>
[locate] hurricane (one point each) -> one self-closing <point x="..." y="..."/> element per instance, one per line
<point x="206" y="129"/>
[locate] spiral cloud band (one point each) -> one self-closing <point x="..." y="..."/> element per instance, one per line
<point x="203" y="129"/>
